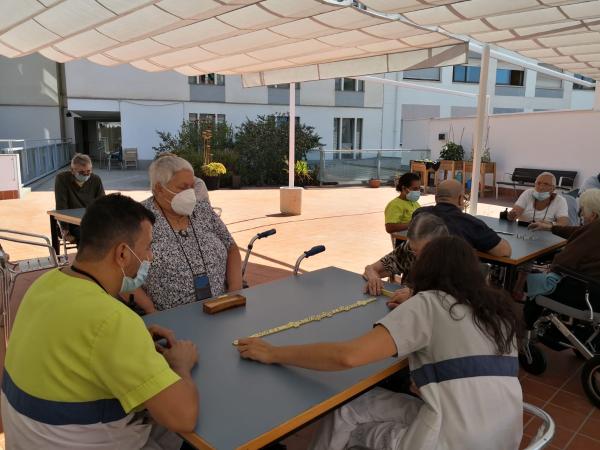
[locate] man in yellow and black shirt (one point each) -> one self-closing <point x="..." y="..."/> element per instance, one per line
<point x="81" y="367"/>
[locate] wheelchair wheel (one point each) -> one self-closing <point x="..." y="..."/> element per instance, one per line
<point x="590" y="379"/>
<point x="538" y="365"/>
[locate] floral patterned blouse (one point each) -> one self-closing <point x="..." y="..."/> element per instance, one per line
<point x="170" y="280"/>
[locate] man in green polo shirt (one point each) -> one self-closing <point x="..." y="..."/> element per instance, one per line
<point x="77" y="188"/>
<point x="82" y="370"/>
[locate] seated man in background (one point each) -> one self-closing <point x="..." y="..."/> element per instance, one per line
<point x="541" y="203"/>
<point x="449" y="202"/>
<point x="76" y="188"/>
<point x="590" y="183"/>
<point x="81" y="366"/>
<point x="399" y="211"/>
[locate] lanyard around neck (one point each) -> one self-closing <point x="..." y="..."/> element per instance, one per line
<point x="181" y="245"/>
<point x="89" y="275"/>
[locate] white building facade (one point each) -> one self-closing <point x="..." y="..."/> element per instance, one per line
<point x="126" y="106"/>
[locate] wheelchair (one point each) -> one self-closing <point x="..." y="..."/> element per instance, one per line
<point x="560" y="326"/>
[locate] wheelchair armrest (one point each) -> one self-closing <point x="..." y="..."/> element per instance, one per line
<point x="570" y="273"/>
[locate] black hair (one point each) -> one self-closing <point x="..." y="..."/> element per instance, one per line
<point x="406" y="180"/>
<point x="109" y="220"/>
<point x="450" y="265"/>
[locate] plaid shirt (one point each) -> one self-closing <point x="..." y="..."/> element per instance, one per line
<point x="399" y="261"/>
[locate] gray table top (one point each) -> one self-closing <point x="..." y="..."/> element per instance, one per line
<point x="242" y="400"/>
<point x="536" y="244"/>
<point x="73" y="216"/>
<point x="523" y="250"/>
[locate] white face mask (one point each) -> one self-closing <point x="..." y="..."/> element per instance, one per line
<point x="184" y="202"/>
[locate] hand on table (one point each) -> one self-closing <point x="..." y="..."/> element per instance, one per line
<point x="512" y="215"/>
<point x="540" y="226"/>
<point x="400" y="296"/>
<point x="374" y="285"/>
<point x="159" y="333"/>
<point x="256" y="349"/>
<point x="182" y="356"/>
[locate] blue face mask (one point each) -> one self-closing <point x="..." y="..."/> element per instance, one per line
<point x="541" y="196"/>
<point x="413" y="196"/>
<point x="82" y="178"/>
<point x="131" y="284"/>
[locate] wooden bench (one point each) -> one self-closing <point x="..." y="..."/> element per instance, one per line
<point x="523" y="178"/>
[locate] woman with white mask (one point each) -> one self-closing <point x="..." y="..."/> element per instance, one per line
<point x="541" y="203"/>
<point x="195" y="256"/>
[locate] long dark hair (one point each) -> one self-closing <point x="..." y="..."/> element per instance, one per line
<point x="449" y="264"/>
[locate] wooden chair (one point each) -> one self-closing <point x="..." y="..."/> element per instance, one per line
<point x="130" y="158"/>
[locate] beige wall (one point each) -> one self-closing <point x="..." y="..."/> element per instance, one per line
<point x="562" y="140"/>
<point x="89" y="80"/>
<point x="30" y="80"/>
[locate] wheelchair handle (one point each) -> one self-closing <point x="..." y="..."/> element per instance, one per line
<point x="267" y="233"/>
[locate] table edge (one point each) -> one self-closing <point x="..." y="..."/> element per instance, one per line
<point x="308" y="415"/>
<point x="505" y="259"/>
<point x="63" y="218"/>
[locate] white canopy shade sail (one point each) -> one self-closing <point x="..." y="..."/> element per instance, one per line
<point x="265" y="38"/>
<point x="280" y="41"/>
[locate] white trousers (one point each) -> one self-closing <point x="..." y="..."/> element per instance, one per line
<point x="377" y="419"/>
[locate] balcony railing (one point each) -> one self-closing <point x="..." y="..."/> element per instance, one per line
<point x="38" y="157"/>
<point x="353" y="166"/>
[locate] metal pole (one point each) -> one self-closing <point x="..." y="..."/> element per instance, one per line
<point x="321" y="166"/>
<point x="292" y="138"/>
<point x="482" y="115"/>
<point x="597" y="101"/>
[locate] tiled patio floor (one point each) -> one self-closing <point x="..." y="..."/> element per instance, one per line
<point x="349" y="222"/>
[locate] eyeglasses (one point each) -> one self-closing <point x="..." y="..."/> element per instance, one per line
<point x="409" y="249"/>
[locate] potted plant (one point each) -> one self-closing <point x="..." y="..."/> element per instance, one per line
<point x="211" y="174"/>
<point x="374" y="182"/>
<point x="451" y="151"/>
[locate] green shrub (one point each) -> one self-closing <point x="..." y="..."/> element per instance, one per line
<point x="262" y="146"/>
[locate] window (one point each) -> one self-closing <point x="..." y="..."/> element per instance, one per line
<point x="284" y="86"/>
<point x="504" y="77"/>
<point x="347" y="135"/>
<point x="207" y="118"/>
<point x="432" y="74"/>
<point x="349" y="84"/>
<point x="583" y="88"/>
<point x="507" y="77"/>
<point x="281" y="121"/>
<point x="212" y="79"/>
<point x="544" y="81"/>
<point x="466" y="74"/>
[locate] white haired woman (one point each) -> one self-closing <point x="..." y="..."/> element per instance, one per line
<point x="195" y="256"/>
<point x="581" y="254"/>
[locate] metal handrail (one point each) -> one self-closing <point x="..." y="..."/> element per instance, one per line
<point x="546" y="431"/>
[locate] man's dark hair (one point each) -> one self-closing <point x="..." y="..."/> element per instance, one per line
<point x="109" y="220"/>
<point x="406" y="180"/>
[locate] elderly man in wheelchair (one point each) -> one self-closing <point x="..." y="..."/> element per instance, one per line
<point x="563" y="306"/>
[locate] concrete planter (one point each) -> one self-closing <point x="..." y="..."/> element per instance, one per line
<point x="290" y="200"/>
